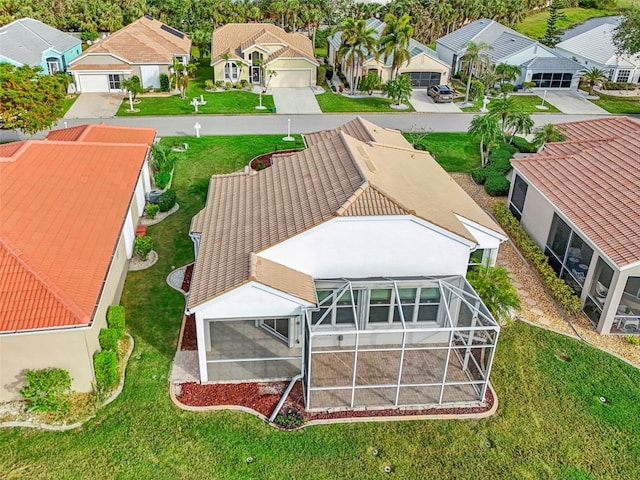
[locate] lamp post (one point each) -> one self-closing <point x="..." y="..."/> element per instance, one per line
<point x="197" y="126"/>
<point x="288" y="138"/>
<point x="261" y="107"/>
<point x="542" y="106"/>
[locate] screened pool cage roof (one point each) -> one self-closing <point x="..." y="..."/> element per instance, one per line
<point x="456" y="295"/>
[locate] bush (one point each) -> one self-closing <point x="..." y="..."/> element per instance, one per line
<point x="88" y="36"/>
<point x="167" y="200"/>
<point x="496" y="184"/>
<point x="618" y="86"/>
<point x="476" y="90"/>
<point x="105" y="365"/>
<point x="228" y="85"/>
<point x="563" y="293"/>
<point x="321" y="75"/>
<point x="47" y="390"/>
<point x="528" y="85"/>
<point x="523" y="145"/>
<point x="321" y="37"/>
<point x="244" y="83"/>
<point x="163" y="157"/>
<point x="151" y="210"/>
<point x="108" y="338"/>
<point x="479" y="175"/>
<point x="219" y="83"/>
<point x="162" y="179"/>
<point x="290" y="419"/>
<point x="165" y="85"/>
<point x="328" y="69"/>
<point x="500" y="166"/>
<point x="209" y="85"/>
<point x="116" y="319"/>
<point x="333" y="88"/>
<point x="632" y="339"/>
<point x="143" y="246"/>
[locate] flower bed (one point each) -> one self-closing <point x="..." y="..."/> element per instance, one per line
<point x="265" y="160"/>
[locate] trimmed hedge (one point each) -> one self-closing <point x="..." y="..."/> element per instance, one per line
<point x="162" y="179"/>
<point x="151" y="210"/>
<point x="523" y="145"/>
<point x="108" y="338"/>
<point x="143" y="246"/>
<point x="496" y="184"/>
<point x="563" y="293"/>
<point x="479" y="175"/>
<point x="116" y="319"/>
<point x="105" y="365"/>
<point x="618" y="86"/>
<point x="167" y="200"/>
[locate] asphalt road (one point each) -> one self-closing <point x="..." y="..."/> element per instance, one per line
<point x="273" y="124"/>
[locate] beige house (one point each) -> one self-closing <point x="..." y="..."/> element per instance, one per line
<point x="424" y="67"/>
<point x="262" y="54"/>
<point x="145" y="48"/>
<point x="68" y="228"/>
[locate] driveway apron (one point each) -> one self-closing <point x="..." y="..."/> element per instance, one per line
<point x="572" y="102"/>
<point x="423" y="103"/>
<point x="290" y="101"/>
<point x="95" y="105"/>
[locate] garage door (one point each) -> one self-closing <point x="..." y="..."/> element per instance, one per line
<point x="291" y="78"/>
<point x="93" y="83"/>
<point x="424" y="79"/>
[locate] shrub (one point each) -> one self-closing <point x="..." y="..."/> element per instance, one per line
<point x="151" y="210"/>
<point x="476" y="90"/>
<point x="47" y="390"/>
<point x="618" y="86"/>
<point x="563" y="293"/>
<point x="479" y="175"/>
<point x="290" y="419"/>
<point x="500" y="166"/>
<point x="143" y="246"/>
<point x="632" y="339"/>
<point x="508" y="88"/>
<point x="228" y="85"/>
<point x="523" y="145"/>
<point x="162" y="179"/>
<point x="209" y="85"/>
<point x="498" y="154"/>
<point x="321" y="75"/>
<point x="219" y="83"/>
<point x="528" y="85"/>
<point x="116" y="319"/>
<point x="496" y="184"/>
<point x="328" y="71"/>
<point x="321" y="37"/>
<point x="333" y="88"/>
<point x="167" y="200"/>
<point x="165" y="85"/>
<point x="243" y="83"/>
<point x="163" y="157"/>
<point x="108" y="338"/>
<point x="105" y="365"/>
<point x="88" y="36"/>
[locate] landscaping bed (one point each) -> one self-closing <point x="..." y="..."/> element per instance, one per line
<point x="263" y="161"/>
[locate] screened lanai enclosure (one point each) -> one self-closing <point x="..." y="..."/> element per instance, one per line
<point x="372" y="343"/>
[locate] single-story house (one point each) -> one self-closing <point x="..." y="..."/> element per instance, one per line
<point x="595" y="48"/>
<point x="344" y="264"/>
<point x="262" y="54"/>
<point x="70" y="206"/>
<point x="145" y="48"/>
<point x="579" y="200"/>
<point x="424" y="67"/>
<point x="539" y="64"/>
<point x="30" y="42"/>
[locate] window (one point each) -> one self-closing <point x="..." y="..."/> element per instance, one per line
<point x="552" y="80"/>
<point x="476" y="257"/>
<point x="518" y="197"/>
<point x="230" y="71"/>
<point x="599" y="291"/>
<point x="429" y="304"/>
<point x="115" y="82"/>
<point x="342" y="314"/>
<point x="53" y="65"/>
<point x="379" y="305"/>
<point x="623" y="76"/>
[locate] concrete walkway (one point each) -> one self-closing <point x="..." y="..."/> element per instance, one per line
<point x="95" y="105"/>
<point x="572" y="103"/>
<point x="423" y="103"/>
<point x="295" y="101"/>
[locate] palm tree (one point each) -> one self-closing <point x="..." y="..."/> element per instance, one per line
<point x="546" y="134"/>
<point x="521" y="122"/>
<point x="502" y="108"/>
<point x="356" y="40"/>
<point x="486" y="129"/>
<point x="398" y="89"/>
<point x="493" y="286"/>
<point x="473" y="59"/>
<point x="592" y="76"/>
<point x="395" y="40"/>
<point x="179" y="77"/>
<point x="507" y="72"/>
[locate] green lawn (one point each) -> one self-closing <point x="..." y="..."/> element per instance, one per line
<point x="527" y="102"/>
<point x="333" y="102"/>
<point x="621" y="105"/>
<point x="320" y="51"/>
<point x="230" y="101"/>
<point x="456" y="152"/>
<point x="68" y="102"/>
<point x="535" y="25"/>
<point x="550" y="422"/>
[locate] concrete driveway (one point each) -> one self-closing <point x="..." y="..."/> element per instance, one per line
<point x="95" y="105"/>
<point x="572" y="102"/>
<point x="423" y="103"/>
<point x="294" y="101"/>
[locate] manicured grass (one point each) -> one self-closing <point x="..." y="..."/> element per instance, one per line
<point x="550" y="422"/>
<point x="69" y="101"/>
<point x="621" y="105"/>
<point x="535" y="25"/>
<point x="230" y="101"/>
<point x="335" y="102"/>
<point x="320" y="51"/>
<point x="455" y="152"/>
<point x="526" y="102"/>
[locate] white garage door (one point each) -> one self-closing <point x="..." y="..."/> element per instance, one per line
<point x="291" y="78"/>
<point x="93" y="83"/>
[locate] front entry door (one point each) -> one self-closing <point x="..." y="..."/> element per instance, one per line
<point x="277" y="327"/>
<point x="255" y="74"/>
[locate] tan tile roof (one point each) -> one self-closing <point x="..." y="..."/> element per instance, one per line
<point x="197" y="222"/>
<point x="63" y="206"/>
<point x="362" y="130"/>
<point x="143" y="41"/>
<point x="593" y="178"/>
<point x="101" y="66"/>
<point x="339" y="176"/>
<point x="234" y="38"/>
<point x="282" y="278"/>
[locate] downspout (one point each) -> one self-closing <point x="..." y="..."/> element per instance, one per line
<point x="284" y="396"/>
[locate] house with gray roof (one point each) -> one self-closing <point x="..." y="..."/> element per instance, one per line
<point x="595" y="48"/>
<point x="424" y="67"/>
<point x="538" y="63"/>
<point x="30" y="42"/>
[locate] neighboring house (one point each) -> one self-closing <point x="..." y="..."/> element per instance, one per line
<point x="145" y="48"/>
<point x="424" y="67"/>
<point x="579" y="200"/>
<point x="595" y="48"/>
<point x="30" y="42"/>
<point x="345" y="263"/>
<point x="539" y="64"/>
<point x="70" y="206"/>
<point x="261" y="54"/>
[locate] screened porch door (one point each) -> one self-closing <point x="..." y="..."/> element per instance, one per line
<point x="278" y="328"/>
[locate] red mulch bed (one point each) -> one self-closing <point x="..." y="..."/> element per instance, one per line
<point x="189" y="339"/>
<point x="186" y="282"/>
<point x="263" y="398"/>
<point x="266" y="159"/>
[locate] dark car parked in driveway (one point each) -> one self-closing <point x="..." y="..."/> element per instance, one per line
<point x="441" y="93"/>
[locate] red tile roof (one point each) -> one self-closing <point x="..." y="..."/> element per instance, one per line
<point x="63" y="207"/>
<point x="105" y="134"/>
<point x="593" y="178"/>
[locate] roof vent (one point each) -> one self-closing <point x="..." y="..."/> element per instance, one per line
<point x="371" y="166"/>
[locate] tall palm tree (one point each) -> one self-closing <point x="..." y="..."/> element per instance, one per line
<point x="592" y="76"/>
<point x="473" y="60"/>
<point x="395" y="39"/>
<point x="179" y="77"/>
<point x="356" y="40"/>
<point x="508" y="72"/>
<point x="486" y="129"/>
<point x="521" y="122"/>
<point x="503" y="108"/>
<point x="546" y="134"/>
